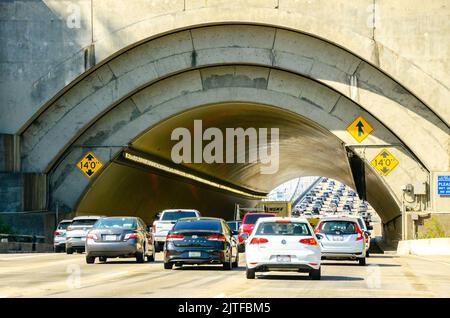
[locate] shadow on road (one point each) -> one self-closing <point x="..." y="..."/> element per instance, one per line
<point x="306" y="277"/>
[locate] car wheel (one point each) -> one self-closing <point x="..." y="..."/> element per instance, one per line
<point x="315" y="274"/>
<point x="140" y="256"/>
<point x="168" y="265"/>
<point x="236" y="262"/>
<point x="362" y="261"/>
<point x="151" y="257"/>
<point x="367" y="254"/>
<point x="250" y="273"/>
<point x="90" y="259"/>
<point x="103" y="259"/>
<point x="227" y="265"/>
<point x="241" y="248"/>
<point x="69" y="250"/>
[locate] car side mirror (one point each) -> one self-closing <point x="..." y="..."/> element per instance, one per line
<point x="367" y="233"/>
<point x="244" y="236"/>
<point x="370" y="227"/>
<point x="319" y="236"/>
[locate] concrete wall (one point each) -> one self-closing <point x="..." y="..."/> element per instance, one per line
<point x="45" y="41"/>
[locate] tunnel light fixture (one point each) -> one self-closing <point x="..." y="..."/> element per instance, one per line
<point x="190" y="176"/>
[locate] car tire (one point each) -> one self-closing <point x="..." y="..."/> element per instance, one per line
<point x="241" y="248"/>
<point x="367" y="254"/>
<point x="315" y="274"/>
<point x="103" y="259"/>
<point x="140" y="256"/>
<point x="362" y="261"/>
<point x="90" y="259"/>
<point x="151" y="257"/>
<point x="250" y="273"/>
<point x="168" y="265"/>
<point x="227" y="265"/>
<point x="69" y="250"/>
<point x="236" y="262"/>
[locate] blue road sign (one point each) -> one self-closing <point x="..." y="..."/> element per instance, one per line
<point x="443" y="185"/>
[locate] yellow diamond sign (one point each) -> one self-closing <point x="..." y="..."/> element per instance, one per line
<point x="384" y="162"/>
<point x="89" y="164"/>
<point x="359" y="129"/>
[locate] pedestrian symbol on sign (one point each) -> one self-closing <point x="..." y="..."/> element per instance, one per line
<point x="89" y="164"/>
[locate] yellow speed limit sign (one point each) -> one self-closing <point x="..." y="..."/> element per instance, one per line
<point x="384" y="162"/>
<point x="89" y="164"/>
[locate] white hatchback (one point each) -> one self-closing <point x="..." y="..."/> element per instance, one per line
<point x="278" y="244"/>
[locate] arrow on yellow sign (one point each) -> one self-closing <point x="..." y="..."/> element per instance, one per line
<point x="359" y="129"/>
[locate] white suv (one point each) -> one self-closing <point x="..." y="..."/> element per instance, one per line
<point x="278" y="244"/>
<point x="77" y="231"/>
<point x="341" y="238"/>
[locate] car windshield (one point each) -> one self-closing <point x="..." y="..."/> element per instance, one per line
<point x="175" y="215"/>
<point x="84" y="222"/>
<point x="252" y="218"/>
<point x="197" y="225"/>
<point x="234" y="226"/>
<point x="341" y="227"/>
<point x="120" y="223"/>
<point x="63" y="226"/>
<point x="277" y="228"/>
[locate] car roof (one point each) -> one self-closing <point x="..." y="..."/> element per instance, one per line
<point x="87" y="217"/>
<point x="200" y="218"/>
<point x="65" y="221"/>
<point x="179" y="210"/>
<point x="279" y="218"/>
<point x="338" y="218"/>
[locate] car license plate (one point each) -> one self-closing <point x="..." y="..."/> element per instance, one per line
<point x="195" y="254"/>
<point x="338" y="238"/>
<point x="283" y="258"/>
<point x="110" y="237"/>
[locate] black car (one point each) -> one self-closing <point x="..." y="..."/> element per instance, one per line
<point x="201" y="240"/>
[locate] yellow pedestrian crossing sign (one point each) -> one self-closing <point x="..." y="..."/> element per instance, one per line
<point x="89" y="164"/>
<point x="384" y="162"/>
<point x="359" y="129"/>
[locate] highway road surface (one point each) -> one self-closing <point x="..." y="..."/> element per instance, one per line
<point x="61" y="275"/>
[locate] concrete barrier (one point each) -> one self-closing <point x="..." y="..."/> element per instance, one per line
<point x="435" y="246"/>
<point x="20" y="247"/>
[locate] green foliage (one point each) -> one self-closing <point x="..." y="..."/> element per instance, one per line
<point x="4" y="228"/>
<point x="431" y="229"/>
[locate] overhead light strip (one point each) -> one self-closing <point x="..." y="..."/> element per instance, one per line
<point x="165" y="168"/>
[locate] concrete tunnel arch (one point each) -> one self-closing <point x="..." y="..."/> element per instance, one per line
<point x="59" y="133"/>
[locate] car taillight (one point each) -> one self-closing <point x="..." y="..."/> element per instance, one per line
<point x="216" y="238"/>
<point x="92" y="236"/>
<point x="154" y="228"/>
<point x="129" y="236"/>
<point x="360" y="233"/>
<point x="173" y="237"/>
<point x="57" y="233"/>
<point x="308" y="241"/>
<point x="259" y="240"/>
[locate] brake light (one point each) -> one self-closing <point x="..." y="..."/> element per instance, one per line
<point x="92" y="236"/>
<point x="259" y="240"/>
<point x="129" y="236"/>
<point x="154" y="228"/>
<point x="360" y="233"/>
<point x="216" y="238"/>
<point x="173" y="237"/>
<point x="57" y="233"/>
<point x="308" y="241"/>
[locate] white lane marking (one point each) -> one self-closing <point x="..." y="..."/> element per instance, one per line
<point x="109" y="275"/>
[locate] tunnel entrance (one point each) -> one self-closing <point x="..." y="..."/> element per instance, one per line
<point x="143" y="179"/>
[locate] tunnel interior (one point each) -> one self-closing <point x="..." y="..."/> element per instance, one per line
<point x="127" y="187"/>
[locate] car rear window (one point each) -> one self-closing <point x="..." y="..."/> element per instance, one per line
<point x="252" y="218"/>
<point x="63" y="226"/>
<point x="276" y="228"/>
<point x="121" y="223"/>
<point x="173" y="216"/>
<point x="335" y="227"/>
<point x="84" y="222"/>
<point x="234" y="226"/>
<point x="198" y="225"/>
